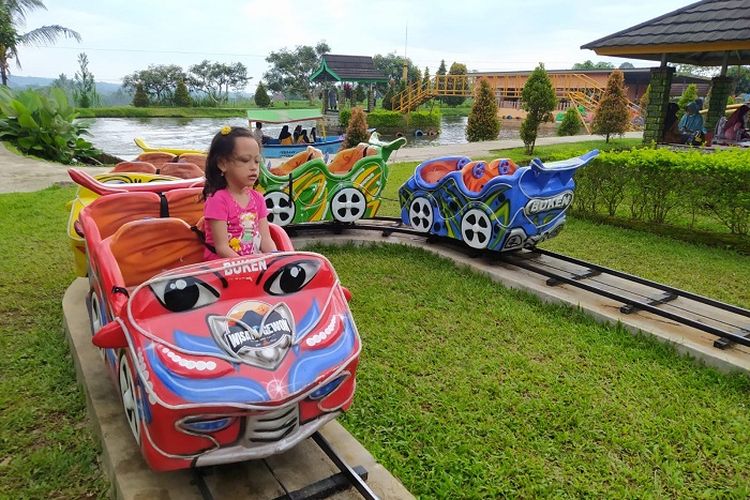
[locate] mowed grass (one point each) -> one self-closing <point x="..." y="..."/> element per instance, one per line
<point x="466" y="389"/>
<point x="46" y="447"/>
<point x="469" y="390"/>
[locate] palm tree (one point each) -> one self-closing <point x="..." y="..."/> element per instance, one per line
<point x="13" y="14"/>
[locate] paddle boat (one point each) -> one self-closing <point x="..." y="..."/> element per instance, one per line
<point x="496" y="206"/>
<point x="274" y="149"/>
<point x="215" y="361"/>
<point x="306" y="189"/>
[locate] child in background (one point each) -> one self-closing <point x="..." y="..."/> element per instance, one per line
<point x="235" y="213"/>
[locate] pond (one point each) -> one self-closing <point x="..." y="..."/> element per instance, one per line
<point x="115" y="135"/>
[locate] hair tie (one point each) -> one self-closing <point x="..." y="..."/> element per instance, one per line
<point x="225" y="130"/>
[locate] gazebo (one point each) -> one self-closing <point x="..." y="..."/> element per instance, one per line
<point x="342" y="68"/>
<point x="706" y="33"/>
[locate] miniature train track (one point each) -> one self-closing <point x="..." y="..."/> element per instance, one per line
<point x="346" y="477"/>
<point x="729" y="323"/>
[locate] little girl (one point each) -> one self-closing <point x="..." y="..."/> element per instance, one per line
<point x="235" y="213"/>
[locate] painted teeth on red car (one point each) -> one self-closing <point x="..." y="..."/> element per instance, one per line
<point x="325" y="336"/>
<point x="192" y="366"/>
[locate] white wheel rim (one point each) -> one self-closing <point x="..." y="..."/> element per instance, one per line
<point x="476" y="228"/>
<point x="129" y="403"/>
<point x="281" y="209"/>
<point x="348" y="205"/>
<point x="96" y="320"/>
<point x="420" y="214"/>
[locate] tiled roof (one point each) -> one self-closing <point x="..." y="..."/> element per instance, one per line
<point x="706" y="22"/>
<point x="350" y="68"/>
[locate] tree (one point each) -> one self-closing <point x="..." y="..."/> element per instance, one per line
<point x="456" y="69"/>
<point x="538" y="100"/>
<point x="426" y="77"/>
<point x="356" y="131"/>
<point x="12" y="16"/>
<point x="388" y="98"/>
<point x="612" y="115"/>
<point x="84" y="87"/>
<point x="571" y="123"/>
<point x="440" y="72"/>
<point x="586" y="65"/>
<point x="140" y="99"/>
<point x="393" y="67"/>
<point x="216" y="79"/>
<point x="181" y="95"/>
<point x="742" y="75"/>
<point x="359" y="93"/>
<point x="690" y="94"/>
<point x="626" y="65"/>
<point x="65" y="84"/>
<point x="158" y="81"/>
<point x="261" y="97"/>
<point x="290" y="69"/>
<point x="483" y="122"/>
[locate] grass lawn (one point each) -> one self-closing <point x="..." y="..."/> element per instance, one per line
<point x="175" y="112"/>
<point x="568" y="150"/>
<point x="466" y="389"/>
<point x="469" y="390"/>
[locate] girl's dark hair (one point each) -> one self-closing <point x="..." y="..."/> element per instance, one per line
<point x="222" y="147"/>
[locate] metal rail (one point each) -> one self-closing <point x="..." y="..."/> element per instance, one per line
<point x="324" y="488"/>
<point x="738" y="333"/>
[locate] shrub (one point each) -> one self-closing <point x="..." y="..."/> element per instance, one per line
<point x="570" y="124"/>
<point x="181" y="95"/>
<point x="387" y="98"/>
<point x="140" y="99"/>
<point x="660" y="183"/>
<point x="385" y="119"/>
<point x="612" y="115"/>
<point x="344" y="116"/>
<point x="43" y="125"/>
<point x="356" y="132"/>
<point x="425" y="119"/>
<point x="538" y="100"/>
<point x="261" y="96"/>
<point x="483" y="124"/>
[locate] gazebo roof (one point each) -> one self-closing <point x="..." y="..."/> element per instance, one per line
<point x="702" y="33"/>
<point x="341" y="68"/>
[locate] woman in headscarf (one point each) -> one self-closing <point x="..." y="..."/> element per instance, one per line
<point x="691" y="125"/>
<point x="285" y="137"/>
<point x="736" y="129"/>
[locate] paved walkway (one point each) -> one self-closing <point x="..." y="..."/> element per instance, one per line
<point x="479" y="149"/>
<point x="23" y="174"/>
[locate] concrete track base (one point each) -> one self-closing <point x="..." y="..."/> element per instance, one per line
<point x="270" y="478"/>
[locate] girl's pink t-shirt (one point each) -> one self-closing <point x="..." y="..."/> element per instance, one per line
<point x="243" y="223"/>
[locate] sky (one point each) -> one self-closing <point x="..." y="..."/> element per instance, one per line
<point x="123" y="36"/>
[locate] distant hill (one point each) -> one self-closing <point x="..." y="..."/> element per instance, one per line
<point x="22" y="82"/>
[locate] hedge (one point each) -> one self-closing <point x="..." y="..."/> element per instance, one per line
<point x="655" y="186"/>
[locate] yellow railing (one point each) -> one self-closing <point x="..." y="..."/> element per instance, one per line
<point x="577" y="88"/>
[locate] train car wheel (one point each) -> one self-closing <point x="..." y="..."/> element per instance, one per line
<point x="476" y="228"/>
<point x="420" y="214"/>
<point x="281" y="209"/>
<point x="129" y="397"/>
<point x="348" y="205"/>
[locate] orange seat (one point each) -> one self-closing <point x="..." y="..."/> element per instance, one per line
<point x="135" y="166"/>
<point x="198" y="159"/>
<point x="501" y="166"/>
<point x="147" y="247"/>
<point x="117" y="209"/>
<point x="185" y="204"/>
<point x="156" y="158"/>
<point x="182" y="170"/>
<point x="346" y="158"/>
<point x="295" y="161"/>
<point x="476" y="175"/>
<point x="433" y="172"/>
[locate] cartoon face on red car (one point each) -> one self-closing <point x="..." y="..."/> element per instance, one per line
<point x="234" y="359"/>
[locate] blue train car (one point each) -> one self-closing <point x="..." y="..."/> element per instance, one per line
<point x="497" y="205"/>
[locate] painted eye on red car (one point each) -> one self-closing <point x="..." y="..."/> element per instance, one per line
<point x="292" y="277"/>
<point x="184" y="294"/>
